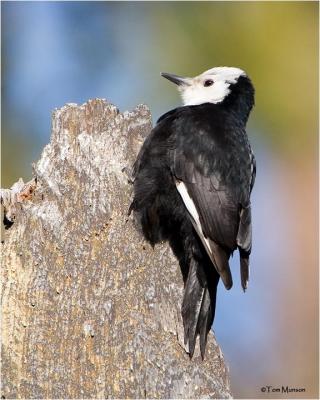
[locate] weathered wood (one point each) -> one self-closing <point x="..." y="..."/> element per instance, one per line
<point x="89" y="309"/>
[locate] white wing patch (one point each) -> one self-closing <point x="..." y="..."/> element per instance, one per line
<point x="188" y="202"/>
<point x="219" y="258"/>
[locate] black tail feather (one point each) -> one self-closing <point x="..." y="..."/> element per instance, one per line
<point x="205" y="321"/>
<point x="191" y="306"/>
<point x="244" y="270"/>
<point x="199" y="302"/>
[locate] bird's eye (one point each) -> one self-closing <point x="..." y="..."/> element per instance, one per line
<point x="208" y="82"/>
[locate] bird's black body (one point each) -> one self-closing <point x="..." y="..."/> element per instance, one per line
<point x="206" y="148"/>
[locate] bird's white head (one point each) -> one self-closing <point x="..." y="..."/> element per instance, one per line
<point x="211" y="86"/>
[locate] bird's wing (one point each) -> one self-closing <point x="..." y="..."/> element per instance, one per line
<point x="244" y="236"/>
<point x="253" y="171"/>
<point x="214" y="170"/>
<point x="213" y="212"/>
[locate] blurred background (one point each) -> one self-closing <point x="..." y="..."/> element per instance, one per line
<point x="59" y="52"/>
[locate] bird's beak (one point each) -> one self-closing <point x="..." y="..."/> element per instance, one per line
<point x="178" y="80"/>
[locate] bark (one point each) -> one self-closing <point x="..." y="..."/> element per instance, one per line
<point x="89" y="309"/>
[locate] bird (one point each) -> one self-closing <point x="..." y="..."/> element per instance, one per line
<point x="192" y="182"/>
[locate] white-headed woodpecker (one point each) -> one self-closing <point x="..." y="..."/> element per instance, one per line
<point x="192" y="183"/>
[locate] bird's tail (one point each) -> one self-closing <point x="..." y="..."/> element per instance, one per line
<point x="199" y="302"/>
<point x="244" y="269"/>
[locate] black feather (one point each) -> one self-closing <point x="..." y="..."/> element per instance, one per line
<point x="206" y="148"/>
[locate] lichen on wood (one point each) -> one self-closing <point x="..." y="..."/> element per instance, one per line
<point x="89" y="309"/>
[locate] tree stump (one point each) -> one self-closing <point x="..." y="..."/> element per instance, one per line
<point x="89" y="309"/>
